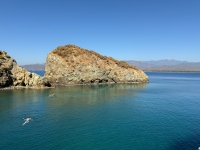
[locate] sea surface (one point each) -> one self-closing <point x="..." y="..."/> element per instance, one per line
<point x="163" y="114"/>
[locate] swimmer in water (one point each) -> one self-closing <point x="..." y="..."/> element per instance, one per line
<point x="51" y="95"/>
<point x="26" y="120"/>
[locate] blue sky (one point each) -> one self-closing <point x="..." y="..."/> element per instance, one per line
<point x="122" y="29"/>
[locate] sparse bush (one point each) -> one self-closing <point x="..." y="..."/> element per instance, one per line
<point x="7" y="56"/>
<point x="76" y="55"/>
<point x="2" y="57"/>
<point x="4" y="67"/>
<point x="72" y="50"/>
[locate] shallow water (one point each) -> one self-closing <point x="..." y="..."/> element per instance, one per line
<point x="162" y="114"/>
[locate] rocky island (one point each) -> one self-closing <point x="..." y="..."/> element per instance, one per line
<point x="70" y="64"/>
<point x="12" y="75"/>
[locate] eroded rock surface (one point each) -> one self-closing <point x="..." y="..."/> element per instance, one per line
<point x="12" y="74"/>
<point x="71" y="64"/>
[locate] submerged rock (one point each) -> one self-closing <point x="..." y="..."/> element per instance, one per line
<point x="71" y="64"/>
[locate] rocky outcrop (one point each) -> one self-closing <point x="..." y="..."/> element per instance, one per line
<point x="71" y="64"/>
<point x="13" y="75"/>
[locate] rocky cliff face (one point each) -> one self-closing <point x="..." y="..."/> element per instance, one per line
<point x="71" y="64"/>
<point x="13" y="75"/>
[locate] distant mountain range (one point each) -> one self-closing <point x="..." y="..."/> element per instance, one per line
<point x="35" y="66"/>
<point x="164" y="65"/>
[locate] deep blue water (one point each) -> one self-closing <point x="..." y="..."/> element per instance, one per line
<point x="160" y="115"/>
<point x="40" y="72"/>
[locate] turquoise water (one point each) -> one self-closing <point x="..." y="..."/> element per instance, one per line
<point x="160" y="115"/>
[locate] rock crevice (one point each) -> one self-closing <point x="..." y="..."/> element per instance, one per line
<point x="12" y="74"/>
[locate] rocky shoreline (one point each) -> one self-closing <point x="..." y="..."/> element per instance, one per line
<point x="12" y="75"/>
<point x="24" y="87"/>
<point x="77" y="66"/>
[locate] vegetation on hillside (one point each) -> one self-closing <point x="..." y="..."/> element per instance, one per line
<point x="73" y="50"/>
<point x="3" y="57"/>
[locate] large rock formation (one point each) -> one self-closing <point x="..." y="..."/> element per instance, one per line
<point x="13" y="75"/>
<point x="71" y="64"/>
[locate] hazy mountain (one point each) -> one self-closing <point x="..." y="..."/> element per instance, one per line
<point x="166" y="65"/>
<point x="35" y="66"/>
<point x="167" y="61"/>
<point x="192" y="67"/>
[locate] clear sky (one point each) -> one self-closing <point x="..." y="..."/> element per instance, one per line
<point x="122" y="29"/>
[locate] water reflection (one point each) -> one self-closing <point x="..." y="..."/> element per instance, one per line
<point x="69" y="95"/>
<point x="10" y="99"/>
<point x="93" y="94"/>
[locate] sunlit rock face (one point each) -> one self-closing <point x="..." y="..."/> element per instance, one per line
<point x="12" y="74"/>
<point x="71" y="64"/>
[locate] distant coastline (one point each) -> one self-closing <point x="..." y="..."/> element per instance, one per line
<point x="166" y="65"/>
<point x="171" y="71"/>
<point x="34" y="66"/>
